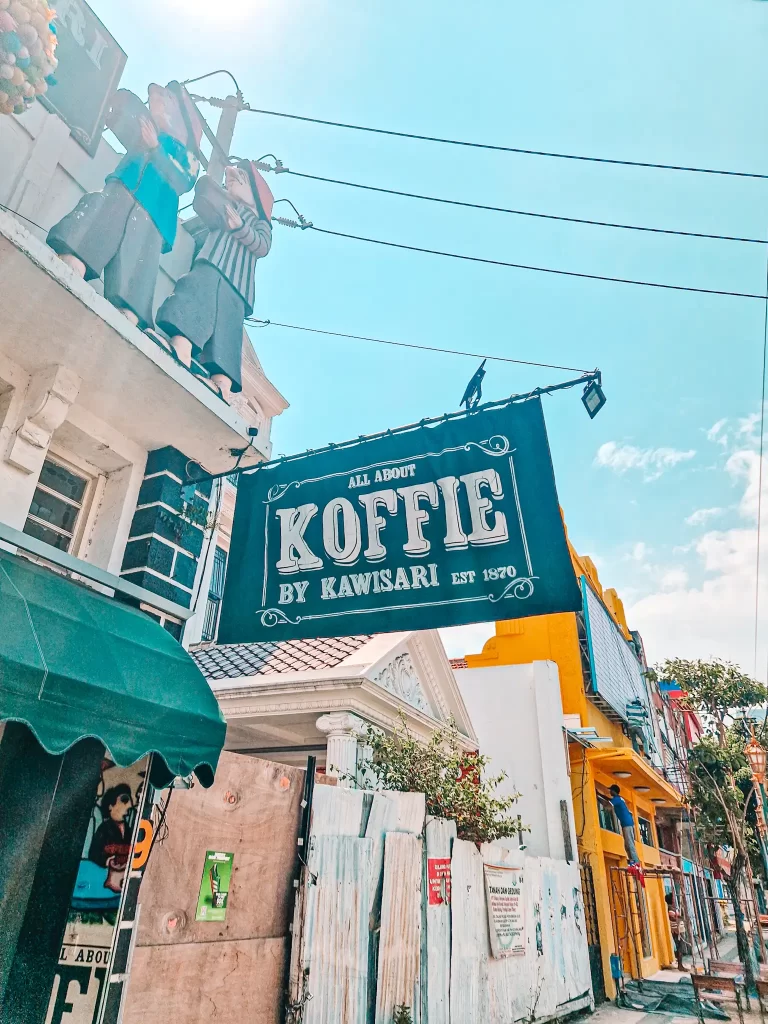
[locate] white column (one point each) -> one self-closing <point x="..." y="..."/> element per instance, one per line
<point x="343" y="730"/>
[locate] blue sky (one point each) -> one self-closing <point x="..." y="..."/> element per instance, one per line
<point x="682" y="83"/>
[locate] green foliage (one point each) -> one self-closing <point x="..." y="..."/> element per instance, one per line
<point x="453" y="780"/>
<point x="721" y="785"/>
<point x="716" y="687"/>
<point x="402" y="1016"/>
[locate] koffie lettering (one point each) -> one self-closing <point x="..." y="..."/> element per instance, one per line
<point x="343" y="531"/>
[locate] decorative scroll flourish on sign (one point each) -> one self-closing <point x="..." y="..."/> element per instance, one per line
<point x="439" y="525"/>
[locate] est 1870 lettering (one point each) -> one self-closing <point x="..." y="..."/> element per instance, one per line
<point x="504" y="572"/>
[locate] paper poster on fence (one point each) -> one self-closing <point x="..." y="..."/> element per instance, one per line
<point x="505" y="898"/>
<point x="214" y="886"/>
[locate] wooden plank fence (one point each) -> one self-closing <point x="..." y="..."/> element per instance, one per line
<point x="403" y="916"/>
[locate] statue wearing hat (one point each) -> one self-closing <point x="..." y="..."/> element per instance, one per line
<point x="204" y="315"/>
<point x="123" y="230"/>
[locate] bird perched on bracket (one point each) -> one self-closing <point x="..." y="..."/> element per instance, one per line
<point x="474" y="391"/>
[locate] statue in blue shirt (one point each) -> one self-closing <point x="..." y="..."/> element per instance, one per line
<point x="123" y="230"/>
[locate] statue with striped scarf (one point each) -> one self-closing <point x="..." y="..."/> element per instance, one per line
<point x="204" y="315"/>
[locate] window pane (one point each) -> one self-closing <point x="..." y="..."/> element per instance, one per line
<point x="606" y="814"/>
<point x="211" y="620"/>
<point x="56" y="540"/>
<point x="646" y="831"/>
<point x="645" y="931"/>
<point x="62" y="481"/>
<point x="54" y="511"/>
<point x="216" y="589"/>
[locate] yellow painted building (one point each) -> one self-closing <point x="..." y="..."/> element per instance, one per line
<point x="631" y="921"/>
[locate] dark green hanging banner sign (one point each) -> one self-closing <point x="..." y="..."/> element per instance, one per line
<point x="442" y="525"/>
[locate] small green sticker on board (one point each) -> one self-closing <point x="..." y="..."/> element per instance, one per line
<point x="214" y="886"/>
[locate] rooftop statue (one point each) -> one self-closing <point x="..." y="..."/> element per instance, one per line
<point x="123" y="230"/>
<point x="204" y="315"/>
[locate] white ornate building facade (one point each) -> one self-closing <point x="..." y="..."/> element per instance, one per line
<point x="288" y="700"/>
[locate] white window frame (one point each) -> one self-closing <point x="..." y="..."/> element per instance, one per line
<point x="94" y="485"/>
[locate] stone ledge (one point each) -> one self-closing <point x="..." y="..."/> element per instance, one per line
<point x="63" y="321"/>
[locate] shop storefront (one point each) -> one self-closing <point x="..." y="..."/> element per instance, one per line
<point x="99" y="705"/>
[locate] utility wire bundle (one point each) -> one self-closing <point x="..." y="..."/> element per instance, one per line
<point x="278" y="167"/>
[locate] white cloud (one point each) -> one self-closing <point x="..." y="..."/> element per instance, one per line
<point x="674" y="579"/>
<point x="717" y="434"/>
<point x="744" y="465"/>
<point x="716" y="614"/>
<point x="461" y="640"/>
<point x="715" y="618"/>
<point x="702" y="515"/>
<point x="747" y="427"/>
<point x="651" y="461"/>
<point x="640" y="552"/>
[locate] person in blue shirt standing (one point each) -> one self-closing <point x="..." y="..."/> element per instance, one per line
<point x="627" y="823"/>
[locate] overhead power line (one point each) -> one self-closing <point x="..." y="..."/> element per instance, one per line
<point x="518" y="213"/>
<point x="304" y="224"/>
<point x="538" y="270"/>
<point x="760" y="472"/>
<point x="505" y="149"/>
<point x="422" y="348"/>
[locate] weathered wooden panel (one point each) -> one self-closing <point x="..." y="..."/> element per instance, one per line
<point x="508" y="981"/>
<point x="400" y="944"/>
<point x="337" y="811"/>
<point x="393" y="812"/>
<point x="436" y="922"/>
<point x="469" y="937"/>
<point x="252" y="810"/>
<point x="335" y="938"/>
<point x="226" y="982"/>
<point x="554" y="973"/>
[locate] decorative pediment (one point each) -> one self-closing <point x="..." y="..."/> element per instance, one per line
<point x="401" y="678"/>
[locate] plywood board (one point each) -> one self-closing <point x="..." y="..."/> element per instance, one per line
<point x="253" y="811"/>
<point x="226" y="982"/>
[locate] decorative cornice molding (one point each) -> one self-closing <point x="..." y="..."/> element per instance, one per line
<point x="400" y="677"/>
<point x="341" y="724"/>
<point x="434" y="682"/>
<point x="51" y="393"/>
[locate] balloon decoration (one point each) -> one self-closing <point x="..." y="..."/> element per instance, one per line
<point x="27" y="61"/>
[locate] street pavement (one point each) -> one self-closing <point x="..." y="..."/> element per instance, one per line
<point x="609" y="1013"/>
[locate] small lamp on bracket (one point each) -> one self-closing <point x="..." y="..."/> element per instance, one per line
<point x="593" y="397"/>
<point x="755" y="754"/>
